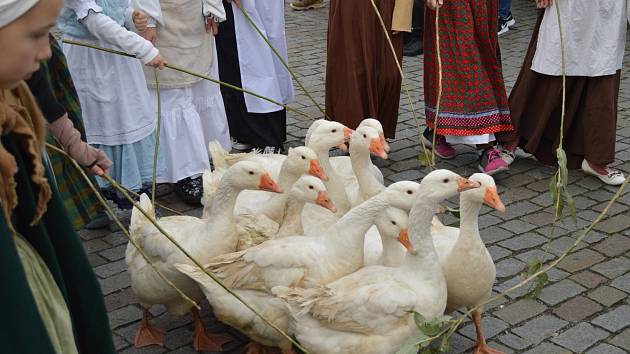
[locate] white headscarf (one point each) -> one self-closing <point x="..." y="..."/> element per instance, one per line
<point x="11" y="10"/>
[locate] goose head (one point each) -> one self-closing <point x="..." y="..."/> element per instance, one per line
<point x="439" y="185"/>
<point x="311" y="189"/>
<point x="487" y="193"/>
<point x="392" y="224"/>
<point x="402" y="194"/>
<point x="302" y="160"/>
<point x="251" y="175"/>
<point x="368" y="139"/>
<point x="325" y="135"/>
<point x="376" y="125"/>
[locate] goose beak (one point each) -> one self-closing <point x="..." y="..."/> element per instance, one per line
<point x="403" y="238"/>
<point x="385" y="143"/>
<point x="465" y="184"/>
<point x="491" y="198"/>
<point x="268" y="184"/>
<point x="324" y="201"/>
<point x="317" y="170"/>
<point x="377" y="148"/>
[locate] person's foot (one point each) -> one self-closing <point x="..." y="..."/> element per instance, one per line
<point x="190" y="190"/>
<point x="413" y="48"/>
<point x="490" y="161"/>
<point x="121" y="202"/>
<point x="606" y="174"/>
<point x="506" y="23"/>
<point x="511" y="153"/>
<point x="442" y="148"/>
<point x="99" y="221"/>
<point x="240" y="146"/>
<point x="301" y="5"/>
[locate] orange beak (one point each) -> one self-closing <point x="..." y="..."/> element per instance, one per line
<point x="324" y="201"/>
<point x="491" y="197"/>
<point x="403" y="238"/>
<point x="385" y="143"/>
<point x="268" y="184"/>
<point x="466" y="184"/>
<point x="376" y="147"/>
<point x="347" y="133"/>
<point x="317" y="170"/>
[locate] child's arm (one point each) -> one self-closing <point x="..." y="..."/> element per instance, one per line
<point x="105" y="29"/>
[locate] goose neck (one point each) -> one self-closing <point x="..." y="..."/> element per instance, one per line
<point x="292" y="222"/>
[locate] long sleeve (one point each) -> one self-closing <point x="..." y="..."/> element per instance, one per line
<point x="214" y="9"/>
<point x="38" y="84"/>
<point x="150" y="7"/>
<point x="106" y="29"/>
<point x="403" y="11"/>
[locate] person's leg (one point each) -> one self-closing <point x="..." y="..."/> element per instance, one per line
<point x="505" y="7"/>
<point x="413" y="40"/>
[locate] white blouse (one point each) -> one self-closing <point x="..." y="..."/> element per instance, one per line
<point x="594" y="38"/>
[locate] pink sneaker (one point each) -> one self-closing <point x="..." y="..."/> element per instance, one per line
<point x="442" y="148"/>
<point x="490" y="161"/>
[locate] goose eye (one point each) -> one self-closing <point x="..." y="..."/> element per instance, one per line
<point x="334" y="130"/>
<point x="394" y="223"/>
<point x="310" y="187"/>
<point x="364" y="136"/>
<point x="251" y="173"/>
<point x="409" y="192"/>
<point x="303" y="157"/>
<point x="445" y="180"/>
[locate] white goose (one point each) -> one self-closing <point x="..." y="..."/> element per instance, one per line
<point x="368" y="311"/>
<point x="293" y="261"/>
<point x="203" y="239"/>
<point x="309" y="261"/>
<point x="469" y="282"/>
<point x="389" y="252"/>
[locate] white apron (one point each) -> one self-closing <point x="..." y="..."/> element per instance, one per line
<point x="261" y="71"/>
<point x="594" y="38"/>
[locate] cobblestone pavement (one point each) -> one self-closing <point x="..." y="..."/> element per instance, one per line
<point x="584" y="309"/>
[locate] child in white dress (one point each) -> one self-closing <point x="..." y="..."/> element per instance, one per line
<point x="118" y="113"/>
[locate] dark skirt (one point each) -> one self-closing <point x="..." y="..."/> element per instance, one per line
<point x="257" y="129"/>
<point x="76" y="194"/>
<point x="590" y="119"/>
<point x="362" y="78"/>
<point x="474" y="100"/>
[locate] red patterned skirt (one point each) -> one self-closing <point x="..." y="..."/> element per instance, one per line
<point x="474" y="101"/>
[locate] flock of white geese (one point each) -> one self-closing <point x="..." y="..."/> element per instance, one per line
<point x="320" y="247"/>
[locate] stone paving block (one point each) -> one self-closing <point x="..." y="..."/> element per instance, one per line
<point x="120" y="343"/>
<point x="562" y="244"/>
<point x="95" y="245"/>
<point x="178" y="338"/>
<point x="115" y="283"/>
<point x="509" y="267"/>
<point x="577" y="309"/>
<point x="488" y="220"/>
<point x="614" y="320"/>
<point x="622" y="283"/>
<point x="494" y="234"/>
<point x="588" y="279"/>
<point x="491" y="327"/>
<point x="547" y="348"/>
<point x="605" y="349"/>
<point x="514" y="341"/>
<point x="498" y="253"/>
<point x="115" y="253"/>
<point x="525" y="241"/>
<point x="535" y="255"/>
<point x="519" y="311"/>
<point x="517" y="209"/>
<point x="614" y="245"/>
<point x="409" y="175"/>
<point x="613" y="268"/>
<point x="540" y="328"/>
<point x="146" y="350"/>
<point x="607" y="295"/>
<point x="96" y="260"/>
<point x="518" y="226"/>
<point x="556" y="293"/>
<point x="109" y="269"/>
<point x="580" y="260"/>
<point x="622" y="340"/>
<point x="500" y="347"/>
<point x="124" y="316"/>
<point x="580" y="337"/>
<point x="615" y="224"/>
<point x="183" y="350"/>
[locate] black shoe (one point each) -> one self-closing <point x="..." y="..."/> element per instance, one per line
<point x="413" y="48"/>
<point x="510" y="20"/>
<point x="99" y="221"/>
<point x="121" y="202"/>
<point x="503" y="27"/>
<point x="190" y="190"/>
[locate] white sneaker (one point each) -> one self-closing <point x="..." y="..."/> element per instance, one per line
<point x="613" y="178"/>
